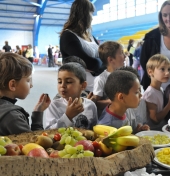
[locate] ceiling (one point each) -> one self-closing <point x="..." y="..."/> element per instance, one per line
<point x="21" y="14"/>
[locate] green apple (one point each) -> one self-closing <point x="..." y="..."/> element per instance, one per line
<point x="2" y="142"/>
<point x="2" y="150"/>
<point x="6" y="139"/>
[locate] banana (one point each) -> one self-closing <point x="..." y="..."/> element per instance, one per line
<point x="118" y="148"/>
<point x="122" y="131"/>
<point x="106" y="151"/>
<point x="104" y="130"/>
<point x="126" y="140"/>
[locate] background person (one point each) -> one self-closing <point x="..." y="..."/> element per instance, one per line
<point x="76" y="38"/>
<point x="157" y="41"/>
<point x="6" y="47"/>
<point x="29" y="53"/>
<point x="50" y="57"/>
<point x="18" y="50"/>
<point x="131" y="50"/>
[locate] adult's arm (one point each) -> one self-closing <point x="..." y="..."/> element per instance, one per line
<point x="71" y="46"/>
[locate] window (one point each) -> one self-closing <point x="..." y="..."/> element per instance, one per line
<point x="151" y="6"/>
<point x="140" y="9"/>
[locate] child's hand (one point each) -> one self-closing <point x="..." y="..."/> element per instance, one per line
<point x="90" y="95"/>
<point x="43" y="103"/>
<point x="73" y="108"/>
<point x="141" y="127"/>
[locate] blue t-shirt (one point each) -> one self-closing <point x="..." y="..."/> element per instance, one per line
<point x="110" y="119"/>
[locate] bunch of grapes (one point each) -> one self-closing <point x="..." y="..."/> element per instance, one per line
<point x="2" y="148"/>
<point x="70" y="136"/>
<point x="75" y="152"/>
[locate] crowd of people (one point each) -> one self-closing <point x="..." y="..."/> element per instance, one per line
<point x="97" y="83"/>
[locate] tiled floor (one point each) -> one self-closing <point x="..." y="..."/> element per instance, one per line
<point x="44" y="81"/>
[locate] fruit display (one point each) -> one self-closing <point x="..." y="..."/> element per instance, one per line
<point x="72" y="143"/>
<point x="66" y="150"/>
<point x="158" y="139"/>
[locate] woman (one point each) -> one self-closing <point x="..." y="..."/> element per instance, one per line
<point x="157" y="41"/>
<point x="131" y="50"/>
<point x="76" y="38"/>
<point x="29" y="54"/>
<point x="18" y="50"/>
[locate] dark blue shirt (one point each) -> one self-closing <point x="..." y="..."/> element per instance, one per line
<point x="137" y="52"/>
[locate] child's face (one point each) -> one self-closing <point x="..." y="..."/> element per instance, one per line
<point x="119" y="59"/>
<point x="23" y="87"/>
<point x="133" y="98"/>
<point x="161" y="73"/>
<point x="69" y="85"/>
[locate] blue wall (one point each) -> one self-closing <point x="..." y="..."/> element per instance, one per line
<point x="99" y="5"/>
<point x="48" y="35"/>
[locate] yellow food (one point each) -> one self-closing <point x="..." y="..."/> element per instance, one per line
<point x="164" y="156"/>
<point x="158" y="139"/>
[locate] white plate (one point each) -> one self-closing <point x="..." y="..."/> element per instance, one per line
<point x="164" y="129"/>
<point x="153" y="133"/>
<point x="158" y="162"/>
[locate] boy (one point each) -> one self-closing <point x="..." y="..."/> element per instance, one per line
<point x="112" y="55"/>
<point x="123" y="89"/>
<point x="158" y="69"/>
<point x="15" y="82"/>
<point x="71" y="109"/>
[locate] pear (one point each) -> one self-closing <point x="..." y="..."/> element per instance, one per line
<point x="44" y="141"/>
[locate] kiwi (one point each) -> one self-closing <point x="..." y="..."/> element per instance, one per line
<point x="44" y="141"/>
<point x="57" y="146"/>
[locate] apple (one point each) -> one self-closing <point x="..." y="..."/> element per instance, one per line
<point x="38" y="152"/>
<point x="6" y="139"/>
<point x="54" y="154"/>
<point x="86" y="144"/>
<point x="12" y="149"/>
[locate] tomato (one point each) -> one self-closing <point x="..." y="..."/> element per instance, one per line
<point x="96" y="145"/>
<point x="44" y="134"/>
<point x="98" y="153"/>
<point x="57" y="137"/>
<point x="20" y="146"/>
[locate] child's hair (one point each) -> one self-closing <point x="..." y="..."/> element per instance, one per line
<point x="131" y="69"/>
<point x="107" y="49"/>
<point x="156" y="60"/>
<point x="74" y="59"/>
<point x="75" y="68"/>
<point x="13" y="66"/>
<point x="119" y="81"/>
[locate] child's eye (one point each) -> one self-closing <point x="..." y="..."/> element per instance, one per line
<point x="59" y="82"/>
<point x="69" y="82"/>
<point x="163" y="69"/>
<point x="164" y="15"/>
<point x="169" y="69"/>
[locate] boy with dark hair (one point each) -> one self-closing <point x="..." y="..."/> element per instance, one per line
<point x="15" y="82"/>
<point x="123" y="89"/>
<point x="71" y="109"/>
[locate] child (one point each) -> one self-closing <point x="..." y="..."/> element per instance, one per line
<point x="112" y="55"/>
<point x="139" y="113"/>
<point x="15" y="82"/>
<point x="158" y="69"/>
<point x="71" y="109"/>
<point x="123" y="89"/>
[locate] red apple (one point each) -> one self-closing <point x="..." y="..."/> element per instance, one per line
<point x="86" y="144"/>
<point x="12" y="149"/>
<point x="54" y="154"/>
<point x="38" y="152"/>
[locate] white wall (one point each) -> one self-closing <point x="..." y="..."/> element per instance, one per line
<point x="16" y="38"/>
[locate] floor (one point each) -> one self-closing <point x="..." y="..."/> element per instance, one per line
<point x="44" y="81"/>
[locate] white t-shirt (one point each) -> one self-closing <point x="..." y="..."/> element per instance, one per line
<point x="90" y="81"/>
<point x="56" y="117"/>
<point x="164" y="50"/>
<point x="99" y="83"/>
<point x="154" y="96"/>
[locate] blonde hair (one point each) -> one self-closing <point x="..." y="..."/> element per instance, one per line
<point x="156" y="60"/>
<point x="13" y="66"/>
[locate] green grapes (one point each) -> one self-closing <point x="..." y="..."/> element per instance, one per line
<point x="75" y="152"/>
<point x="70" y="136"/>
<point x="158" y="139"/>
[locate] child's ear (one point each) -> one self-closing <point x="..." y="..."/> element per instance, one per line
<point x="109" y="59"/>
<point x="12" y="85"/>
<point x="84" y="85"/>
<point x="120" y="96"/>
<point x="150" y="72"/>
